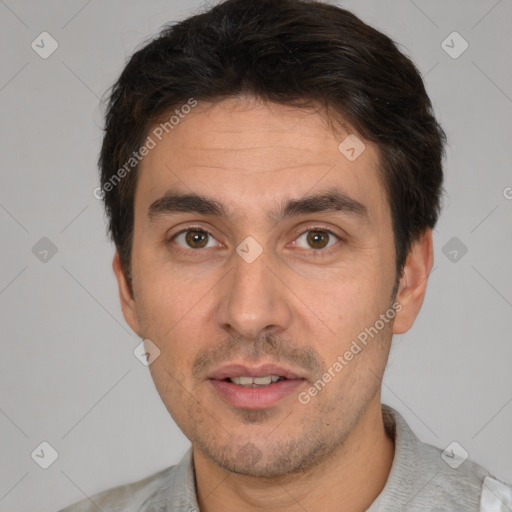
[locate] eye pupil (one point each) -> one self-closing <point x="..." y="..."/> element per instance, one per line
<point x="314" y="239"/>
<point x="196" y="239"/>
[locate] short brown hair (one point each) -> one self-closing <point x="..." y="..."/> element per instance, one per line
<point x="294" y="52"/>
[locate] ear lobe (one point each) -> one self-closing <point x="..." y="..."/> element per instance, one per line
<point x="128" y="304"/>
<point x="413" y="283"/>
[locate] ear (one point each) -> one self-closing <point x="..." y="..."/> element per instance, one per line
<point x="413" y="283"/>
<point x="128" y="304"/>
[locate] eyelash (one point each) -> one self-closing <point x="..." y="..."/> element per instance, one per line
<point x="317" y="253"/>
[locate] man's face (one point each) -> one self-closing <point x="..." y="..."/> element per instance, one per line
<point x="294" y="296"/>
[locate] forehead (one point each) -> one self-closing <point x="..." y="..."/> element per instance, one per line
<point x="250" y="156"/>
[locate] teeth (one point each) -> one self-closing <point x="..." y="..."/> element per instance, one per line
<point x="254" y="382"/>
<point x="264" y="381"/>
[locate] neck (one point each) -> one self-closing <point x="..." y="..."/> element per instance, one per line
<point x="350" y="479"/>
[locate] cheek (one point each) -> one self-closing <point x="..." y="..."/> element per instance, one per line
<point x="159" y="292"/>
<point x="172" y="316"/>
<point x="353" y="304"/>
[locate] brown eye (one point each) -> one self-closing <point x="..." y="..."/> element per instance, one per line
<point x="317" y="238"/>
<point x="193" y="238"/>
<point x="196" y="239"/>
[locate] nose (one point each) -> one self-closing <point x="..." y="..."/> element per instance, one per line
<point x="253" y="299"/>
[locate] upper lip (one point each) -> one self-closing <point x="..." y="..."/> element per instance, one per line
<point x="240" y="370"/>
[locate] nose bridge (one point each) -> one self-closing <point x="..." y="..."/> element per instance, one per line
<point x="252" y="298"/>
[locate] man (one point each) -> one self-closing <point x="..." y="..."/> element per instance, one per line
<point x="272" y="173"/>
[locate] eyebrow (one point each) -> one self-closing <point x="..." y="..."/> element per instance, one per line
<point x="331" y="200"/>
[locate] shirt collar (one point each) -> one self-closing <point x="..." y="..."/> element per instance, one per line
<point x="181" y="495"/>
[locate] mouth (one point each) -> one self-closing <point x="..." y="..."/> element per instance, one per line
<point x="254" y="387"/>
<point x="255" y="382"/>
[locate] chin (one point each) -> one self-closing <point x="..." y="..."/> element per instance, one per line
<point x="250" y="460"/>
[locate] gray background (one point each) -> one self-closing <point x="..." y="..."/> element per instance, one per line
<point x="69" y="376"/>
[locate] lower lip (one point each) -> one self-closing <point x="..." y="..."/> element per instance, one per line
<point x="255" y="398"/>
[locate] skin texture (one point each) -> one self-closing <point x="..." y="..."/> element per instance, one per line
<point x="205" y="307"/>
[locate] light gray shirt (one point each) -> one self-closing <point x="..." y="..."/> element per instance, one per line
<point x="422" y="478"/>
